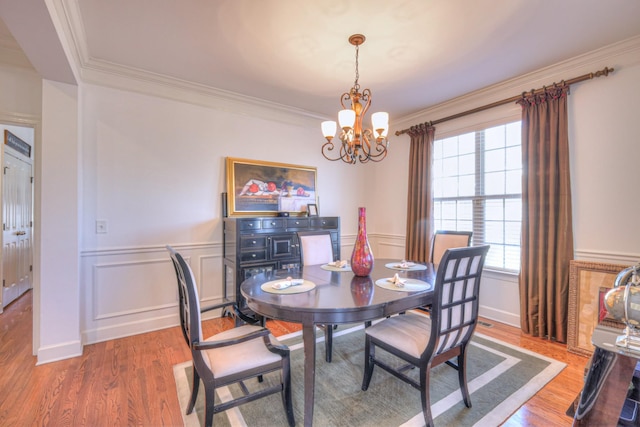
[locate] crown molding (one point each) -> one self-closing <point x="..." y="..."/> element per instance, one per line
<point x="573" y="67"/>
<point x="116" y="76"/>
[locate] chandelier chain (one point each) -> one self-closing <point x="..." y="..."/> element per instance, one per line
<point x="356" y="86"/>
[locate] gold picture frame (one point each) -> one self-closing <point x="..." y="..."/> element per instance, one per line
<point x="588" y="281"/>
<point x="260" y="188"/>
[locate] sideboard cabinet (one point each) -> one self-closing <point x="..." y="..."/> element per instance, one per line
<point x="254" y="245"/>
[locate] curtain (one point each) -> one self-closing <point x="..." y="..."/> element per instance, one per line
<point x="547" y="233"/>
<point x="420" y="197"/>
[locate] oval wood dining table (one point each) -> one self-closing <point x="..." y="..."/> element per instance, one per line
<point x="336" y="297"/>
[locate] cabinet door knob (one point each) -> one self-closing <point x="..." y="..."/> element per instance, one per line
<point x="253" y="242"/>
<point x="253" y="255"/>
<point x="273" y="223"/>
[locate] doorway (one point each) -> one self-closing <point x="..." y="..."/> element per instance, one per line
<point x="17" y="213"/>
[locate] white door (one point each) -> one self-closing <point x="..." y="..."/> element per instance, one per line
<point x="17" y="225"/>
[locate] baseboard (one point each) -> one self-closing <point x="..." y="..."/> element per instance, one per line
<point x="121" y="330"/>
<point x="499" y="316"/>
<point x="58" y="352"/>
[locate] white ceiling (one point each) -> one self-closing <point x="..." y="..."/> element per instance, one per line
<point x="418" y="53"/>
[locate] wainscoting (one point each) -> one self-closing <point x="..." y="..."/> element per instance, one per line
<point x="133" y="290"/>
<point x="128" y="291"/>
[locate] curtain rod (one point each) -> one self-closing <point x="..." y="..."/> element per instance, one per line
<point x="582" y="78"/>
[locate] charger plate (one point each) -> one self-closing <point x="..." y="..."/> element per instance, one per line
<point x="413" y="267"/>
<point x="306" y="286"/>
<point x="334" y="268"/>
<point x="410" y="285"/>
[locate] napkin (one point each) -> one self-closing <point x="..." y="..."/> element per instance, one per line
<point x="340" y="263"/>
<point x="288" y="282"/>
<point x="396" y="280"/>
<point x="404" y="264"/>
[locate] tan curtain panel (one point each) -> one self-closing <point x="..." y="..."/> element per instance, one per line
<point x="420" y="197"/>
<point x="547" y="233"/>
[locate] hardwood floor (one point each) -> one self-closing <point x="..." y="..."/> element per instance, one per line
<point x="129" y="381"/>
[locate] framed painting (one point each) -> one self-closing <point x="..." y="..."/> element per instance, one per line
<point x="259" y="188"/>
<point x="588" y="282"/>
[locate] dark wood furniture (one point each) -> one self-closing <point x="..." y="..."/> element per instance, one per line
<point x="211" y="360"/>
<point x="425" y="342"/>
<point x="610" y="371"/>
<point x="254" y="245"/>
<point x="339" y="297"/>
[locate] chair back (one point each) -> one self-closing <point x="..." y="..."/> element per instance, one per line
<point x="447" y="239"/>
<point x="454" y="313"/>
<point x="315" y="248"/>
<point x="188" y="299"/>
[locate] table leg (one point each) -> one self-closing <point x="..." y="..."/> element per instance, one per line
<point x="309" y="339"/>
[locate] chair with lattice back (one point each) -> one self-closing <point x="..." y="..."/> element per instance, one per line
<point x="426" y="341"/>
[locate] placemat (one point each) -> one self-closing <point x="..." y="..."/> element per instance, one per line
<point x="410" y="285"/>
<point x="412" y="266"/>
<point x="334" y="268"/>
<point x="306" y="286"/>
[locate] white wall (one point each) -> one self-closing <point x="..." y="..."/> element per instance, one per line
<point x="58" y="217"/>
<point x="154" y="170"/>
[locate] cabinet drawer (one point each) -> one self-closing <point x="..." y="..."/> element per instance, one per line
<point x="324" y="222"/>
<point x="273" y="223"/>
<point x="250" y="225"/>
<point x="250" y="256"/>
<point x="295" y="223"/>
<point x="253" y="242"/>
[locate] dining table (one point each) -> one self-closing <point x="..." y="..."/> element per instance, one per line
<point x="331" y="294"/>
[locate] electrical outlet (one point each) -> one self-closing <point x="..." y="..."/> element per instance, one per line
<point x="101" y="226"/>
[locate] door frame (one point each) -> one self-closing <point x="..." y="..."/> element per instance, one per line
<point x="34" y="123"/>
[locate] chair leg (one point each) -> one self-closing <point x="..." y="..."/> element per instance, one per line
<point x="286" y="391"/>
<point x="194" y="390"/>
<point x="462" y="377"/>
<point x="424" y="395"/>
<point x="369" y="355"/>
<point x="328" y="342"/>
<point x="209" y="395"/>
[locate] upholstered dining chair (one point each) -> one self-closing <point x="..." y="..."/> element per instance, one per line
<point x="443" y="240"/>
<point x="447" y="239"/>
<point x="316" y="248"/>
<point x="427" y="341"/>
<point x="233" y="356"/>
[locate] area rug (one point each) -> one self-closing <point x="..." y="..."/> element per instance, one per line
<point x="501" y="378"/>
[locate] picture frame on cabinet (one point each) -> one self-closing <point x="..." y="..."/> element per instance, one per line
<point x="312" y="209"/>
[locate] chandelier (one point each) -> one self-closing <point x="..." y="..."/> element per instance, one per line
<point x="357" y="143"/>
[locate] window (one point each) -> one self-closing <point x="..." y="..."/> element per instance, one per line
<point x="477" y="186"/>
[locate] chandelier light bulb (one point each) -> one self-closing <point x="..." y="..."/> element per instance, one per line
<point x="380" y="121"/>
<point x="347" y="119"/>
<point x="329" y="129"/>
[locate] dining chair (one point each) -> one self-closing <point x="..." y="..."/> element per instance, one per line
<point x="447" y="239"/>
<point x="233" y="356"/>
<point x="316" y="248"/>
<point x="427" y="341"/>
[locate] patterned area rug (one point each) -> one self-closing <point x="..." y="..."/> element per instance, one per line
<point x="501" y="378"/>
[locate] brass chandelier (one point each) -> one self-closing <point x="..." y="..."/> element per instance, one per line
<point x="356" y="143"/>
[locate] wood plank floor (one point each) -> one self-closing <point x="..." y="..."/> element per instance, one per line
<point x="129" y="381"/>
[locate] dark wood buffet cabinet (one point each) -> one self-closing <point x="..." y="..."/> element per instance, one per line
<point x="254" y="245"/>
